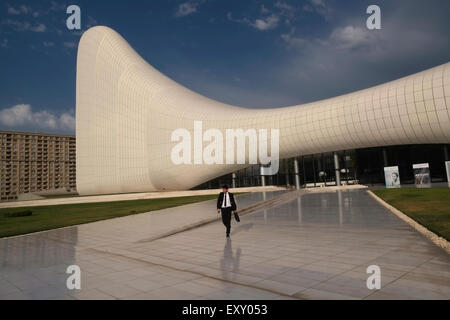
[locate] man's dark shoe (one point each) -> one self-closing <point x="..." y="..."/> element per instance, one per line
<point x="228" y="235"/>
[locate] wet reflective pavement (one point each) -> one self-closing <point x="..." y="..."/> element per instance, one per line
<point x="315" y="247"/>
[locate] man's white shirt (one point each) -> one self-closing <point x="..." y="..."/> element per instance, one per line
<point x="226" y="200"/>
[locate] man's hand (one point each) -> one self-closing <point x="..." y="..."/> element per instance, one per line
<point x="218" y="210"/>
<point x="235" y="211"/>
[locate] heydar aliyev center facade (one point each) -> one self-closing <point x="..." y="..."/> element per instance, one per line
<point x="126" y="111"/>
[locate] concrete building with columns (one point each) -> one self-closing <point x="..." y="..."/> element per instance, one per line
<point x="126" y="111"/>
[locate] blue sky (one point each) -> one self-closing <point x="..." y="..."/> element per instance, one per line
<point x="246" y="53"/>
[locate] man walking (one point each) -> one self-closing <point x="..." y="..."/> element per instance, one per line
<point x="226" y="204"/>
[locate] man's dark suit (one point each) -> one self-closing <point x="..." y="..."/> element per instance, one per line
<point x="226" y="212"/>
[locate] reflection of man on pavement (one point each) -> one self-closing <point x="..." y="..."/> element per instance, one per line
<point x="230" y="263"/>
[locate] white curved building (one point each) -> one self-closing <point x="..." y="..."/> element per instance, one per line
<point x="126" y="111"/>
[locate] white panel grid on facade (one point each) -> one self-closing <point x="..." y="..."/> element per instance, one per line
<point x="127" y="111"/>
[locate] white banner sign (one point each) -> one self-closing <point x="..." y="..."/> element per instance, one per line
<point x="420" y="165"/>
<point x="392" y="177"/>
<point x="447" y="167"/>
<point x="422" y="175"/>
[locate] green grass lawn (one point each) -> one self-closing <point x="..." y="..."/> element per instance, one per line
<point x="50" y="217"/>
<point x="429" y="207"/>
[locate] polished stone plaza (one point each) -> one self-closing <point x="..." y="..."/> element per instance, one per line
<point x="317" y="246"/>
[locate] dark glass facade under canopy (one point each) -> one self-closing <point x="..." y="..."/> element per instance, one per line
<point x="364" y="166"/>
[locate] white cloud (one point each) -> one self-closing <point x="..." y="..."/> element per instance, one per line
<point x="339" y="56"/>
<point x="283" y="5"/>
<point x="186" y="8"/>
<point x="348" y="39"/>
<point x="318" y="2"/>
<point x="55" y="6"/>
<point x="22" y="117"/>
<point x="48" y="44"/>
<point x="91" y="22"/>
<point x="351" y="57"/>
<point x="320" y="6"/>
<point x="24" y="26"/>
<point x="13" y="11"/>
<point x="266" y="23"/>
<point x="261" y="24"/>
<point x="293" y="40"/>
<point x="39" y="28"/>
<point x="67" y="122"/>
<point x="351" y="37"/>
<point x="17" y="25"/>
<point x="23" y="9"/>
<point x="70" y="45"/>
<point x="270" y="18"/>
